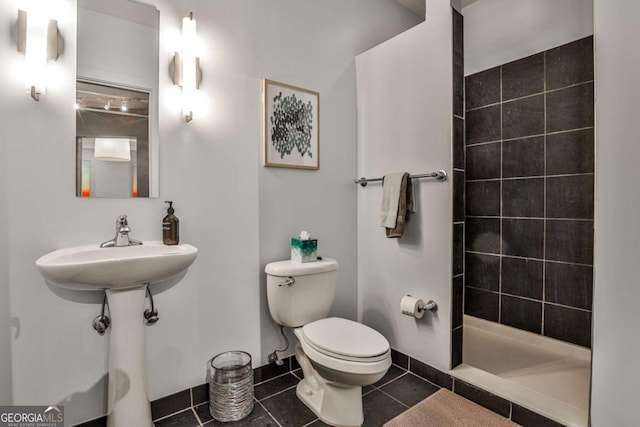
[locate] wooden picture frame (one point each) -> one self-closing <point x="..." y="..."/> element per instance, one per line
<point x="291" y="132"/>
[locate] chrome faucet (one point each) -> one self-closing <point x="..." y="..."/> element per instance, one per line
<point x="122" y="235"/>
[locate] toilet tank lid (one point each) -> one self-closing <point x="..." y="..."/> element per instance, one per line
<point x="294" y="268"/>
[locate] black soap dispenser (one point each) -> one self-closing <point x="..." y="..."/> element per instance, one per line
<point x="170" y="227"/>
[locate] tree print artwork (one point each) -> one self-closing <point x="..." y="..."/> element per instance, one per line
<point x="292" y="124"/>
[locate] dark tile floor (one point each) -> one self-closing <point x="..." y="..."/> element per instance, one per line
<point x="407" y="382"/>
<point x="276" y="403"/>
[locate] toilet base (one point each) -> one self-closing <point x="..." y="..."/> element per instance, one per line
<point x="336" y="406"/>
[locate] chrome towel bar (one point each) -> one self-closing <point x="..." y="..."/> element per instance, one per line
<point x="439" y="176"/>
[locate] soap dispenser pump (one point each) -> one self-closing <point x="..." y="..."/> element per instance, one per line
<point x="170" y="227"/>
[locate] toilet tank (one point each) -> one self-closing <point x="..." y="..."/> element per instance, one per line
<point x="308" y="298"/>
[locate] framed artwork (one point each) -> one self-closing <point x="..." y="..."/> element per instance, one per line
<point x="291" y="126"/>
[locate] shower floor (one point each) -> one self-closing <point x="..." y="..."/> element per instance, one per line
<point x="547" y="376"/>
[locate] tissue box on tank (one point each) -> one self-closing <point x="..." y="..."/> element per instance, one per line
<point x="304" y="250"/>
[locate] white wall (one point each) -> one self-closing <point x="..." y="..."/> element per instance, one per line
<point x="500" y="31"/>
<point x="404" y="124"/>
<point x="5" y="314"/>
<point x="616" y="372"/>
<point x="127" y="56"/>
<point x="324" y="201"/>
<point x="239" y="214"/>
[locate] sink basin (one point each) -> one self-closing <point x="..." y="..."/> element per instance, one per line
<point x="91" y="267"/>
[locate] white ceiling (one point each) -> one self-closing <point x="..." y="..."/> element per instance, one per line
<point x="418" y="6"/>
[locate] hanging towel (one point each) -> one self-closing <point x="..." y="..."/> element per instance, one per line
<point x="405" y="206"/>
<point x="390" y="198"/>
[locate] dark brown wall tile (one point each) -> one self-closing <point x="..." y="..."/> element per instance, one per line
<point x="483" y="198"/>
<point x="482" y="398"/>
<point x="570" y="64"/>
<point x="523" y="197"/>
<point x="458" y="143"/>
<point x="523" y="77"/>
<point x="482" y="235"/>
<point x="431" y="374"/>
<point x="482" y="88"/>
<point x="483" y="161"/>
<point x="527" y="418"/>
<point x="570" y="152"/>
<point x="267" y="372"/>
<point x="457" y="301"/>
<point x="456" y="347"/>
<point x="458" y="196"/>
<point x="521" y="313"/>
<point x="570" y="108"/>
<point x="483" y="125"/>
<point x="522" y="277"/>
<point x="483" y="271"/>
<point x="567" y="324"/>
<point x="400" y="359"/>
<point x="569" y="241"/>
<point x="523" y="237"/>
<point x="523" y="117"/>
<point x="568" y="284"/>
<point x="171" y="404"/>
<point x="458" y="249"/>
<point x="482" y="304"/>
<point x="458" y="64"/>
<point x="523" y="157"/>
<point x="570" y="197"/>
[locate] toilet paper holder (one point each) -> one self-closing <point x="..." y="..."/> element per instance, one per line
<point x="416" y="307"/>
<point x="428" y="306"/>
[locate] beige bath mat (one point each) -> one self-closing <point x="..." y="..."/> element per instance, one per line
<point x="446" y="409"/>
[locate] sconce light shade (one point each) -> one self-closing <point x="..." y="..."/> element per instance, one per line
<point x="186" y="67"/>
<point x="112" y="149"/>
<point x="38" y="39"/>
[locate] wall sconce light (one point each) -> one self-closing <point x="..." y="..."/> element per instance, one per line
<point x="186" y="67"/>
<point x="38" y="39"/>
<point x="112" y="149"/>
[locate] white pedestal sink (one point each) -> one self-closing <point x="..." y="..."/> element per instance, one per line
<point x="124" y="273"/>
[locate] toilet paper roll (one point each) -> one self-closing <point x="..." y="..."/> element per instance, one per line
<point x="412" y="306"/>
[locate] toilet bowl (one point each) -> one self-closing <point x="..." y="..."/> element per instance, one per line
<point x="338" y="356"/>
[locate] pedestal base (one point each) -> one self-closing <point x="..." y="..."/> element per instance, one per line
<point x="128" y="398"/>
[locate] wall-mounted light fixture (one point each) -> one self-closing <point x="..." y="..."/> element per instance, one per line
<point x="38" y="39"/>
<point x="186" y="67"/>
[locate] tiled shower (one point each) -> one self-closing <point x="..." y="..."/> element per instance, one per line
<point x="529" y="191"/>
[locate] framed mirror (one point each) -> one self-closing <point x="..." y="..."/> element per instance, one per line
<point x="117" y="99"/>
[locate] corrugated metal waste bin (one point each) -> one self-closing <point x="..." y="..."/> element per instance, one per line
<point x="230" y="386"/>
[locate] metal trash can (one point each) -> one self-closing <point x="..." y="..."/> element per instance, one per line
<point x="230" y="386"/>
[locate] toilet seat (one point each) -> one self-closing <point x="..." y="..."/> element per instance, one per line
<point x="344" y="345"/>
<point x="361" y="366"/>
<point x="346" y="340"/>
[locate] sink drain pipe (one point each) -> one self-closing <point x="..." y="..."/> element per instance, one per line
<point x="102" y="322"/>
<point x="151" y="314"/>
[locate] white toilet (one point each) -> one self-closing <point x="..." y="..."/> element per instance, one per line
<point x="337" y="356"/>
